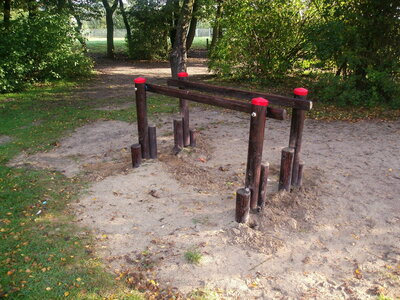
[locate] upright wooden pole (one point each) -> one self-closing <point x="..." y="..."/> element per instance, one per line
<point x="242" y="213"/>
<point x="141" y="110"/>
<point x="285" y="176"/>
<point x="256" y="143"/>
<point x="262" y="194"/>
<point x="184" y="109"/>
<point x="193" y="137"/>
<point x="153" y="141"/>
<point x="178" y="136"/>
<point x="296" y="133"/>
<point x="136" y="154"/>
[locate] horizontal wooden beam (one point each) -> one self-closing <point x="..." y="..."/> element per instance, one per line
<point x="273" y="113"/>
<point x="237" y="93"/>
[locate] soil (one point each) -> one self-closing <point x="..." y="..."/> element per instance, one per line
<point x="336" y="237"/>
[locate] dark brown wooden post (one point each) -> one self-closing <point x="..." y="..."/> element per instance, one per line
<point x="285" y="176"/>
<point x="193" y="137"/>
<point x="296" y="133"/>
<point x="136" y="153"/>
<point x="141" y="110"/>
<point x="178" y="136"/>
<point x="256" y="143"/>
<point x="153" y="141"/>
<point x="242" y="205"/>
<point x="184" y="109"/>
<point x="300" y="176"/>
<point x="262" y="194"/>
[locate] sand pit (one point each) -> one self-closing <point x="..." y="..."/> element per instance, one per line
<point x="335" y="238"/>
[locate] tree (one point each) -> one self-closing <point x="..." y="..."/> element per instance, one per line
<point x="364" y="48"/>
<point x="178" y="56"/>
<point x="125" y="19"/>
<point x="7" y="13"/>
<point x="110" y="26"/>
<point x="262" y="39"/>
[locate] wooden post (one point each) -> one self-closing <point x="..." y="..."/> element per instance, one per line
<point x="242" y="214"/>
<point x="193" y="137"/>
<point x="141" y="110"/>
<point x="262" y="194"/>
<point x="296" y="133"/>
<point x="300" y="176"/>
<point x="136" y="153"/>
<point x="178" y="136"/>
<point x="153" y="141"/>
<point x="286" y="169"/>
<point x="256" y="143"/>
<point x="184" y="109"/>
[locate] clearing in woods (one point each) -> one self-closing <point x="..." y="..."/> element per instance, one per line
<point x="337" y="237"/>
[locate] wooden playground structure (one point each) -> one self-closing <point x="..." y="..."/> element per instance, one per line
<point x="252" y="197"/>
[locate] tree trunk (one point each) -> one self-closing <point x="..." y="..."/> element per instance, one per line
<point x="61" y="4"/>
<point x="110" y="26"/>
<point x="7" y="13"/>
<point x="32" y="8"/>
<point x="178" y="56"/>
<point x="174" y="19"/>
<point x="217" y="30"/>
<point x="126" y="22"/>
<point x="193" y="25"/>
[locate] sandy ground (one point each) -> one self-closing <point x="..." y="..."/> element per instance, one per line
<point x="337" y="237"/>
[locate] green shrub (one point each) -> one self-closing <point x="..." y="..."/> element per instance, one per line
<point x="150" y="29"/>
<point x="378" y="88"/>
<point x="39" y="49"/>
<point x="261" y="39"/>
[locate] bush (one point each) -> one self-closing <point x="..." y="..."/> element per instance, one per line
<point x="261" y="39"/>
<point x="379" y="88"/>
<point x="150" y="30"/>
<point x="39" y="49"/>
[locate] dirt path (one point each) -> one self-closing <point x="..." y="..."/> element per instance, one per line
<point x="338" y="237"/>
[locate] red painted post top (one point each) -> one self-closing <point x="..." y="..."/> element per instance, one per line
<point x="300" y="92"/>
<point x="183" y="74"/>
<point x="259" y="101"/>
<point x="139" y="80"/>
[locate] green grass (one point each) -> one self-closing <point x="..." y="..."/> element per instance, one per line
<point x="99" y="45"/>
<point x="42" y="254"/>
<point x="193" y="256"/>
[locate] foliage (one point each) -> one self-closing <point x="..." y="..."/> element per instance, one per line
<point x="261" y="38"/>
<point x="39" y="49"/>
<point x="364" y="48"/>
<point x="150" y="25"/>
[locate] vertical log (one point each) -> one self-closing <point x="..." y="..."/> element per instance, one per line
<point x="300" y="175"/>
<point x="262" y="195"/>
<point x="193" y="137"/>
<point x="256" y="143"/>
<point x="153" y="141"/>
<point x="299" y="118"/>
<point x="184" y="109"/>
<point x="141" y="110"/>
<point x="286" y="169"/>
<point x="242" y="212"/>
<point x="136" y="153"/>
<point x="178" y="136"/>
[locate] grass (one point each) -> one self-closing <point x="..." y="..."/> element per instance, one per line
<point x="42" y="254"/>
<point x="99" y="45"/>
<point x="193" y="256"/>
